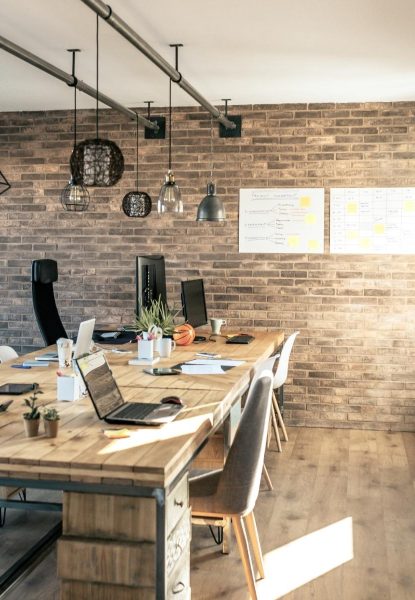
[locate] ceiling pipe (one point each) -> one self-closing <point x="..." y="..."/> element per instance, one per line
<point x="105" y="11"/>
<point x="67" y="78"/>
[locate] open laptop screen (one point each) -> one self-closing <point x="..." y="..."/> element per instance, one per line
<point x="100" y="382"/>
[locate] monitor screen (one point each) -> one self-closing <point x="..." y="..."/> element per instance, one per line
<point x="194" y="303"/>
<point x="150" y="281"/>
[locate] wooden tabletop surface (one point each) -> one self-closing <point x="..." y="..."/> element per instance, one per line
<point x="151" y="455"/>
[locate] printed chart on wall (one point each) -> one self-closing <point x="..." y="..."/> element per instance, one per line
<point x="281" y="220"/>
<point x="372" y="220"/>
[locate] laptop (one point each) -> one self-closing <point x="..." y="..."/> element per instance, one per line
<point x="82" y="346"/>
<point x="106" y="397"/>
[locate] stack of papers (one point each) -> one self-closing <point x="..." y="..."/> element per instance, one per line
<point x="208" y="366"/>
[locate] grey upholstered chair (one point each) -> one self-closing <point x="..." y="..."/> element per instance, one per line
<point x="232" y="491"/>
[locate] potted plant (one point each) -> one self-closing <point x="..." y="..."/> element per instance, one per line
<point x="51" y="421"/>
<point x="31" y="418"/>
<point x="158" y="315"/>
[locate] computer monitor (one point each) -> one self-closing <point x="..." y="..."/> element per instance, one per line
<point x="194" y="304"/>
<point x="150" y="279"/>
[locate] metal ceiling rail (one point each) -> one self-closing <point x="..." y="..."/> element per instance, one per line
<point x="105" y="11"/>
<point x="70" y="80"/>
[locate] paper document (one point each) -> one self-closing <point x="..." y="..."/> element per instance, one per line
<point x="202" y="369"/>
<point x="224" y="362"/>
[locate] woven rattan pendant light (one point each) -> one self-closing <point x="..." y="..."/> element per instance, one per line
<point x="136" y="204"/>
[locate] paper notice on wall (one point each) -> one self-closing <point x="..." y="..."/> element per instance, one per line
<point x="281" y="220"/>
<point x="372" y="221"/>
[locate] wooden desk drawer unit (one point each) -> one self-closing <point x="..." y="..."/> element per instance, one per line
<point x="177" y="503"/>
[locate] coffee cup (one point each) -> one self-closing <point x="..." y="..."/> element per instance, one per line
<point x="64" y="347"/>
<point x="166" y="347"/>
<point x="216" y="324"/>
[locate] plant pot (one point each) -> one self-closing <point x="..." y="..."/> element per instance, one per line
<point x="31" y="427"/>
<point x="51" y="428"/>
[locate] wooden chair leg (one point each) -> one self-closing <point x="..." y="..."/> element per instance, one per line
<point x="279" y="417"/>
<point x="227" y="539"/>
<point x="267" y="478"/>
<point x="275" y="428"/>
<point x="242" y="540"/>
<point x="269" y="435"/>
<point x="253" y="537"/>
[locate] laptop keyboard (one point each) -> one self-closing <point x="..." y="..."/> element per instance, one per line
<point x="134" y="411"/>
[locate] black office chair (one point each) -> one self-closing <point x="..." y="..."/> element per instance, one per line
<point x="44" y="274"/>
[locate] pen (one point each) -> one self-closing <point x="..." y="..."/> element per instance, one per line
<point x="21" y="367"/>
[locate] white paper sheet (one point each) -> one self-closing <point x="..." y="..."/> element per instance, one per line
<point x="202" y="369"/>
<point x="224" y="362"/>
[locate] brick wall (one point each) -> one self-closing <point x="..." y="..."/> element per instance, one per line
<point x="352" y="365"/>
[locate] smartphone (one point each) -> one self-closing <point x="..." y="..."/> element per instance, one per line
<point x="14" y="389"/>
<point x="162" y="371"/>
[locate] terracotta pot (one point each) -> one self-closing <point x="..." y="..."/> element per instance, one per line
<point x="31" y="427"/>
<point x="51" y="428"/>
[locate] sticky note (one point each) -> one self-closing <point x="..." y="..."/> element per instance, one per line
<point x="312" y="244"/>
<point x="351" y="235"/>
<point x="365" y="242"/>
<point x="310" y="218"/>
<point x="409" y="205"/>
<point x="305" y="201"/>
<point x="379" y="228"/>
<point x="351" y="208"/>
<point x="293" y="241"/>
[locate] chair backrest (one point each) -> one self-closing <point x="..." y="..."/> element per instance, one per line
<point x="264" y="365"/>
<point x="280" y="376"/>
<point x="240" y="479"/>
<point x="7" y="353"/>
<point x="44" y="274"/>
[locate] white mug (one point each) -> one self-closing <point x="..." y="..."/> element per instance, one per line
<point x="145" y="349"/>
<point x="64" y="347"/>
<point x="216" y="324"/>
<point x="166" y="346"/>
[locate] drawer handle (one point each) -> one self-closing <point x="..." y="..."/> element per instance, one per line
<point x="179" y="587"/>
<point x="178" y="503"/>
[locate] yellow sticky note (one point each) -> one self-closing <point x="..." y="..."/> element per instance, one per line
<point x="365" y="242"/>
<point x="351" y="208"/>
<point x="293" y="241"/>
<point x="379" y="228"/>
<point x="351" y="235"/>
<point x="310" y="219"/>
<point x="409" y="205"/>
<point x="305" y="201"/>
<point x="312" y="244"/>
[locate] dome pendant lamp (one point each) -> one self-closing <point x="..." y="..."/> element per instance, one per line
<point x="97" y="162"/>
<point x="170" y="198"/>
<point x="211" y="208"/>
<point x="136" y="204"/>
<point x="75" y="196"/>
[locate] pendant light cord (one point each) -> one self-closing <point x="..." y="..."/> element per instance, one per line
<point x="97" y="47"/>
<point x="170" y="112"/>
<point x="136" y="154"/>
<point x="211" y="149"/>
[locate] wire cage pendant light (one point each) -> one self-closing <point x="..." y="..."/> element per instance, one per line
<point x="211" y="208"/>
<point x="74" y="196"/>
<point x="97" y="162"/>
<point x="136" y="204"/>
<point x="170" y="198"/>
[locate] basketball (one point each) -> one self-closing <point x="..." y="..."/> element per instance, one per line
<point x="184" y="334"/>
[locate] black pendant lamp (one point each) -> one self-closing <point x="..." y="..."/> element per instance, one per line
<point x="4" y="184"/>
<point x="170" y="198"/>
<point x="136" y="204"/>
<point x="75" y="196"/>
<point x="211" y="208"/>
<point x="97" y="162"/>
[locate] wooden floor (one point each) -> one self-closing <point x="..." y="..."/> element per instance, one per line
<point x="335" y="492"/>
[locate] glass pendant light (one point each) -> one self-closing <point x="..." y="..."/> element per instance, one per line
<point x="97" y="162"/>
<point x="136" y="204"/>
<point x="211" y="208"/>
<point x="170" y="198"/>
<point x="75" y="196"/>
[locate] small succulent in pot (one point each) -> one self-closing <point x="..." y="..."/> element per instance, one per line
<point x="51" y="421"/>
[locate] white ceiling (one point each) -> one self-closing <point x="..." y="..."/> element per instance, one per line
<point x="263" y="51"/>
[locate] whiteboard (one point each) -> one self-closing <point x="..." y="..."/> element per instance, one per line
<point x="372" y="220"/>
<point x="281" y="220"/>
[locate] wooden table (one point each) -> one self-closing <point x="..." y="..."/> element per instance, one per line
<point x="126" y="518"/>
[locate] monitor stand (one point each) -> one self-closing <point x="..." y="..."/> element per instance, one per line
<point x="199" y="338"/>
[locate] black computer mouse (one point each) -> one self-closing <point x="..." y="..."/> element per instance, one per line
<point x="171" y="400"/>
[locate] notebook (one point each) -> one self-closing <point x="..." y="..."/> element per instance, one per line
<point x="108" y="402"/>
<point x="241" y="338"/>
<point x="82" y="346"/>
